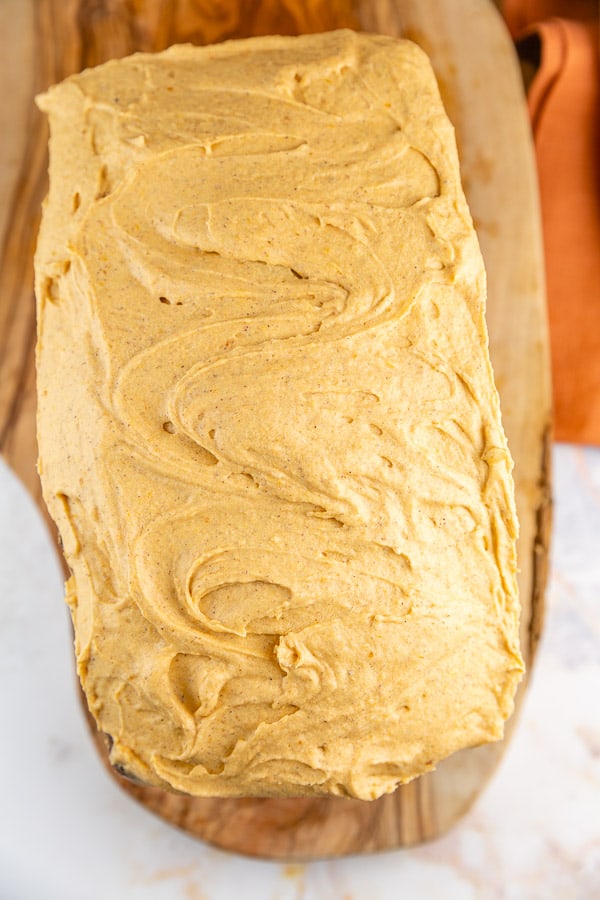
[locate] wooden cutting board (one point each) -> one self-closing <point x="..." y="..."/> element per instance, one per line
<point x="41" y="41"/>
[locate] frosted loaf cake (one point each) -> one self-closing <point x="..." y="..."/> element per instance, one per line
<point x="268" y="428"/>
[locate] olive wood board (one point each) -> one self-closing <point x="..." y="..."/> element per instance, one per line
<point x="42" y="41"/>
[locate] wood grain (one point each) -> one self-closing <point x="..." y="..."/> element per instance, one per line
<point x="480" y="81"/>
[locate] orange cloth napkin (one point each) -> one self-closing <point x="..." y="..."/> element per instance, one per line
<point x="564" y="104"/>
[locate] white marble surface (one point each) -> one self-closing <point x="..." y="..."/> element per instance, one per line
<point x="68" y="833"/>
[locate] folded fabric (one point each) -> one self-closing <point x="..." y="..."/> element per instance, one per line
<point x="519" y="14"/>
<point x="564" y="104"/>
